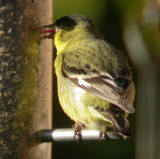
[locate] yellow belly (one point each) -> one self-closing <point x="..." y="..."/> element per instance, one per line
<point x="80" y="105"/>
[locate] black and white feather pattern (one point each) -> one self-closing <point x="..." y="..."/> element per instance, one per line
<point x="115" y="88"/>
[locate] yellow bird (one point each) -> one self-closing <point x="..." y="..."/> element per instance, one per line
<point x="95" y="87"/>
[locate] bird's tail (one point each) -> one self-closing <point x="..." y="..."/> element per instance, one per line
<point x="119" y="121"/>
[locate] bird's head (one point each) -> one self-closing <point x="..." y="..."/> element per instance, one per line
<point x="70" y="28"/>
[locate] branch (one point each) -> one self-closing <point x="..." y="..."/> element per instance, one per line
<point x="68" y="134"/>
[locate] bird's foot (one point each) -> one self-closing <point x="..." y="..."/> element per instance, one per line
<point x="77" y="130"/>
<point x="100" y="136"/>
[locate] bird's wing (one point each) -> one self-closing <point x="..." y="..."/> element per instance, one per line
<point x="114" y="88"/>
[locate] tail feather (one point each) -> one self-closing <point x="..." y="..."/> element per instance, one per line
<point x="119" y="121"/>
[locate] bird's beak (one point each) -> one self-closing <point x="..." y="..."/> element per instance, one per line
<point x="48" y="31"/>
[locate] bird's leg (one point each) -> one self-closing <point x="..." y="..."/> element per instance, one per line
<point x="77" y="130"/>
<point x="100" y="136"/>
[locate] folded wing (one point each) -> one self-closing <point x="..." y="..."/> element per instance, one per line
<point x="115" y="88"/>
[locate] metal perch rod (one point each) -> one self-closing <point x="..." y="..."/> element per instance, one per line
<point x="68" y="134"/>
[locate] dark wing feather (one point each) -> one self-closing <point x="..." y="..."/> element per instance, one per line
<point x="117" y="116"/>
<point x="108" y="86"/>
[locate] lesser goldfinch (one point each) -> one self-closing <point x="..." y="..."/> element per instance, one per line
<point x="95" y="88"/>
